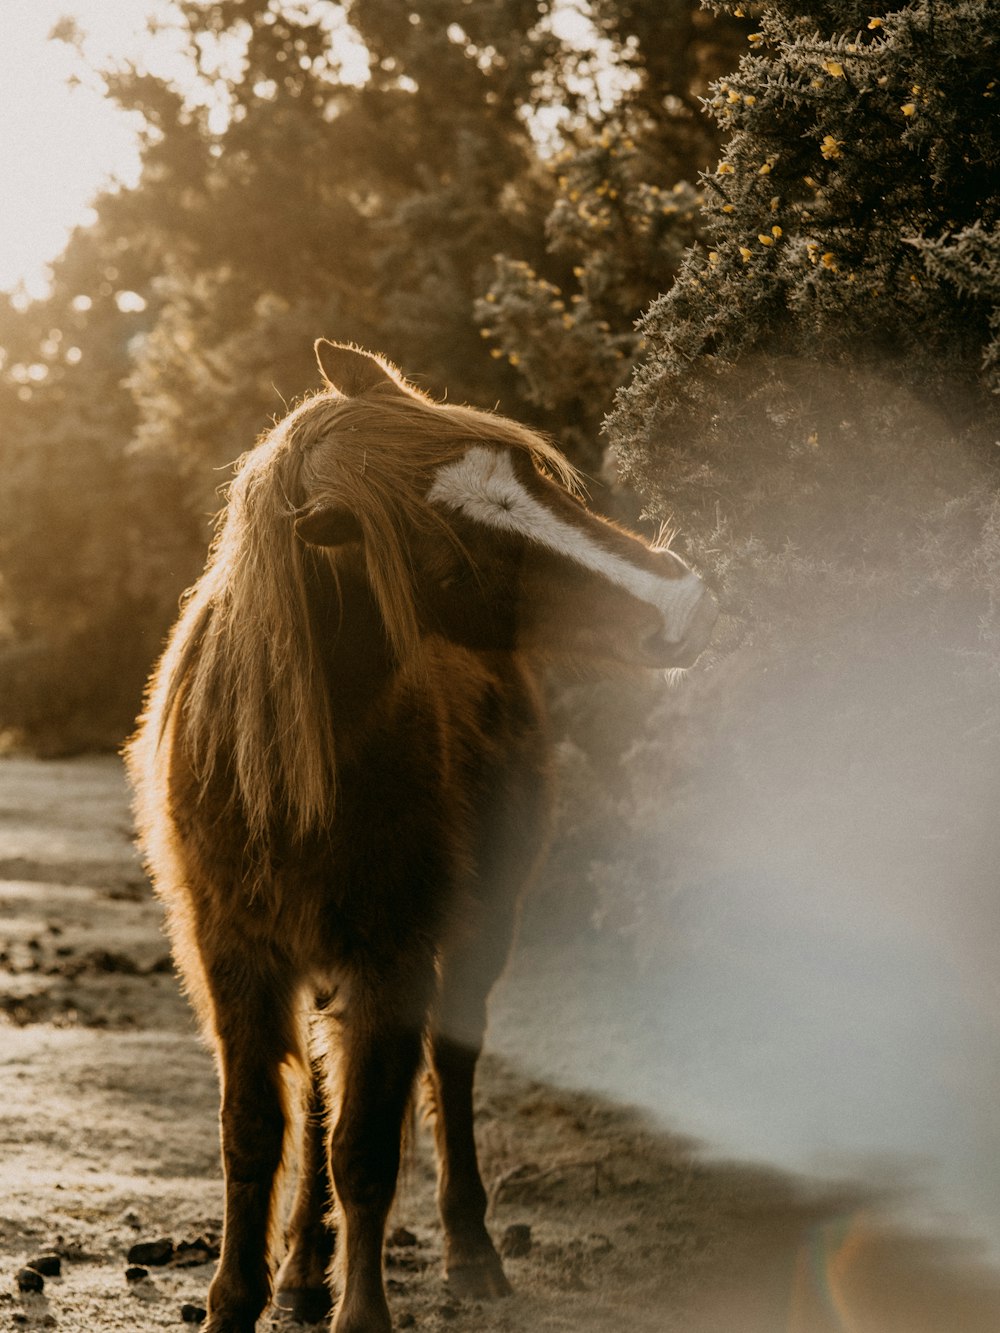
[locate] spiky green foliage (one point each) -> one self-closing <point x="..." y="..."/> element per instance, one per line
<point x="852" y="219"/>
<point x="817" y="409"/>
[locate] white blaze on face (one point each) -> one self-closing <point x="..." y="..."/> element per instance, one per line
<point x="483" y="486"/>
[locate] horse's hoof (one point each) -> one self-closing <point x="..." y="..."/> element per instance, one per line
<point x="306" y="1305"/>
<point x="479" y="1280"/>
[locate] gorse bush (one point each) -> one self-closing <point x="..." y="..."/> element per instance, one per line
<point x="821" y="376"/>
<point x="852" y="220"/>
<point x="817" y="410"/>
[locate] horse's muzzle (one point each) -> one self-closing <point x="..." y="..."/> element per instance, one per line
<point x="660" y="651"/>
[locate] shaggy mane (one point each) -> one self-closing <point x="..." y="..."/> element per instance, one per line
<point x="240" y="680"/>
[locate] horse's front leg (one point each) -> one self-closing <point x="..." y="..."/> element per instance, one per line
<point x="302" y="1285"/>
<point x="255" y="1034"/>
<point x="380" y="1053"/>
<point x="472" y="1265"/>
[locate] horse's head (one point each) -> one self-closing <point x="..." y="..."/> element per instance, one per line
<point x="496" y="550"/>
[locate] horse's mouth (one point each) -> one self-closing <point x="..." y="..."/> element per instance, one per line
<point x="657" y="650"/>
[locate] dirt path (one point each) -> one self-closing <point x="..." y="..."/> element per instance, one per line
<point x="107" y="1122"/>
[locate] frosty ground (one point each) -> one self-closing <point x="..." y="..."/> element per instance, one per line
<point x="108" y="1125"/>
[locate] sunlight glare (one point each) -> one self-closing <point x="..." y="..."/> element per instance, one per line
<point x="63" y="140"/>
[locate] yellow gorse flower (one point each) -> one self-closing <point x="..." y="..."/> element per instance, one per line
<point x="834" y="68"/>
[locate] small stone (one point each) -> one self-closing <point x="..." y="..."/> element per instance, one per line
<point x="49" y="1265"/>
<point x="517" y="1241"/>
<point x="400" y="1237"/>
<point x="106" y="960"/>
<point x="191" y="1253"/>
<point x="29" y="1280"/>
<point x="193" y="1314"/>
<point x="135" y="1274"/>
<point x="153" y="1252"/>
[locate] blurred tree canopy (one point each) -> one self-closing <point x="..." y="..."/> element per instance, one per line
<point x="351" y="170"/>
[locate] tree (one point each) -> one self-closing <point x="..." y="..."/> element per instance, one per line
<point x="77" y="588"/>
<point x="624" y="209"/>
<point x="281" y="196"/>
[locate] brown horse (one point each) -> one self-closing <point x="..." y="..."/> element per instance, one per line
<point x="342" y="789"/>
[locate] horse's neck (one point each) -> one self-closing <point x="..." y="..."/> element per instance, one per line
<point x="351" y="641"/>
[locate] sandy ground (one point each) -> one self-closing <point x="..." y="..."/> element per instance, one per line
<point x="107" y="1122"/>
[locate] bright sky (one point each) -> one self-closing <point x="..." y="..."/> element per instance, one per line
<point x="60" y="144"/>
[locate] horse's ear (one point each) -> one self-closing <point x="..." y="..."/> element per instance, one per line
<point x="328" y="525"/>
<point x="349" y="370"/>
